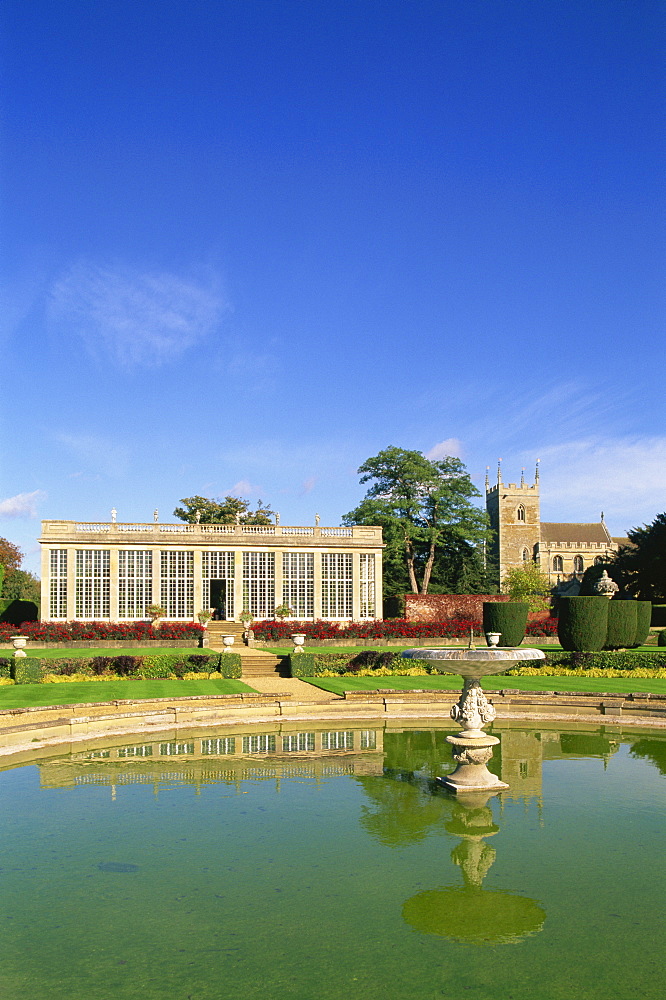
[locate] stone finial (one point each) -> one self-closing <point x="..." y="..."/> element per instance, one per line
<point x="606" y="587"/>
<point x="522" y="477"/>
<point x="197" y="514"/>
<point x="499" y="471"/>
<point x="536" y="472"/>
<point x="114" y="515"/>
<point x="277" y="517"/>
<point x="156" y="515"/>
<point x="487" y="479"/>
<point x="317" y="519"/>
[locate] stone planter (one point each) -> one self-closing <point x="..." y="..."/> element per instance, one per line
<point x="492" y="638"/>
<point x="228" y="641"/>
<point x="299" y="641"/>
<point x="18" y="642"/>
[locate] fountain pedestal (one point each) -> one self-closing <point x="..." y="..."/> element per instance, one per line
<point x="472" y="748"/>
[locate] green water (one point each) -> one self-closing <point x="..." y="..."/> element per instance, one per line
<point x="280" y="868"/>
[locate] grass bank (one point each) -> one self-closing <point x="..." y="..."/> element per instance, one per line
<point x="442" y="682"/>
<point x="85" y="692"/>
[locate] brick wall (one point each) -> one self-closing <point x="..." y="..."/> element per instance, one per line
<point x="440" y="607"/>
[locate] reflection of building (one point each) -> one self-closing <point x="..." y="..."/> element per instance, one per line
<point x="227" y="758"/>
<point x="115" y="570"/>
<point x="562" y="551"/>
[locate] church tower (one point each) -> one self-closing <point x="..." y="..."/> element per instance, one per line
<point x="515" y="519"/>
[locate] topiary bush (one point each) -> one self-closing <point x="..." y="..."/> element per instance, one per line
<point x="507" y="617"/>
<point x="643" y="619"/>
<point x="300" y="665"/>
<point x="661" y="639"/>
<point x="622" y="624"/>
<point x="583" y="623"/>
<point x="26" y="670"/>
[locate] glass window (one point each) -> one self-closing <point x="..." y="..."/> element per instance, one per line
<point x="135" y="582"/>
<point x="336" y="585"/>
<point x="58" y="584"/>
<point x="177" y="584"/>
<point x="93" y="584"/>
<point x="298" y="583"/>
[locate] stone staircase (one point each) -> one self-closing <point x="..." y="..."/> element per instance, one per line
<point x="217" y="629"/>
<point x="255" y="663"/>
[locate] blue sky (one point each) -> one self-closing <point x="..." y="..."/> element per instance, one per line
<point x="246" y="245"/>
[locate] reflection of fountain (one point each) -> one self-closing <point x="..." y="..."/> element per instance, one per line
<point x="472" y="749"/>
<point x="469" y="913"/>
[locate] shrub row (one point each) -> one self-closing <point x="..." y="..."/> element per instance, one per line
<point x="71" y="631"/>
<point x="32" y="669"/>
<point x="371" y="660"/>
<point x="388" y="628"/>
<point x="594" y="623"/>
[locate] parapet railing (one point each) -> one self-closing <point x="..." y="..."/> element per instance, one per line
<point x="155" y="528"/>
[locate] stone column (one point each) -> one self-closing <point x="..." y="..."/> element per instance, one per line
<point x="238" y="583"/>
<point x="197" y="569"/>
<point x="356" y="586"/>
<point x="71" y="584"/>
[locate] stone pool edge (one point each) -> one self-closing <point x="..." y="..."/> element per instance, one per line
<point x="25" y="729"/>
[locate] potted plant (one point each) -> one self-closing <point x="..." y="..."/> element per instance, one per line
<point x="283" y="611"/>
<point x="204" y="617"/>
<point x="247" y="618"/>
<point x="155" y="612"/>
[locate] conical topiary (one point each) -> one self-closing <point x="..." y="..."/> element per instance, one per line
<point x="509" y="618"/>
<point x="583" y="623"/>
<point x="622" y="624"/>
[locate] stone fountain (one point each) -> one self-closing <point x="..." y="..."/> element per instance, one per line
<point x="472" y="748"/>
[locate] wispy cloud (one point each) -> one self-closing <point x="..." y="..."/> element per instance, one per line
<point x="135" y="318"/>
<point x="22" y="505"/>
<point x="451" y="446"/>
<point x="308" y="485"/>
<point x="624" y="477"/>
<point x="244" y="488"/>
<point x="99" y="454"/>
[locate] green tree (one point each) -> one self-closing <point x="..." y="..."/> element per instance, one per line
<point x="642" y="562"/>
<point x="529" y="585"/>
<point x="425" y="508"/>
<point x="11" y="556"/>
<point x="18" y="583"/>
<point x="230" y="510"/>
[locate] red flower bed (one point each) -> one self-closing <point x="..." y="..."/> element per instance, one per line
<point x="72" y="631"/>
<point x="389" y="628"/>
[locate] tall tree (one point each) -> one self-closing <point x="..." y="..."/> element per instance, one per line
<point x="230" y="510"/>
<point x="423" y="505"/>
<point x="18" y="584"/>
<point x="642" y="563"/>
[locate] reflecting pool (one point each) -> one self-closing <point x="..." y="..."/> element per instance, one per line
<point x="300" y="862"/>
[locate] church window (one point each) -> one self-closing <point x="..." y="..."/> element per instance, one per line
<point x="558" y="564"/>
<point x="578" y="564"/>
<point x="520" y="513"/>
<point x="526" y="555"/>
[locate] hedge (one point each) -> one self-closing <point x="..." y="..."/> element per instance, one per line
<point x="605" y="659"/>
<point x="14" y="611"/>
<point x="150" y="667"/>
<point x="643" y="619"/>
<point x="313" y="664"/>
<point x="509" y="618"/>
<point x="583" y="623"/>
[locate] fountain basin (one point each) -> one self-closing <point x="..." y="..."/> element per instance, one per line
<point x="474" y="663"/>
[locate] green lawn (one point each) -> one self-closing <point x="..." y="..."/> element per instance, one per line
<point x="59" y="654"/>
<point x="436" y="682"/>
<point x="83" y="692"/>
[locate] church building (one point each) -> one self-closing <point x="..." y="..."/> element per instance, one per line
<point x="562" y="551"/>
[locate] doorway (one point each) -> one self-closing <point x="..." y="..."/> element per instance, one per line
<point x="218" y="599"/>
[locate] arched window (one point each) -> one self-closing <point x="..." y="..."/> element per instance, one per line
<point x="526" y="555"/>
<point x="578" y="564"/>
<point x="520" y="513"/>
<point x="558" y="564"/>
<point x="598" y="560"/>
